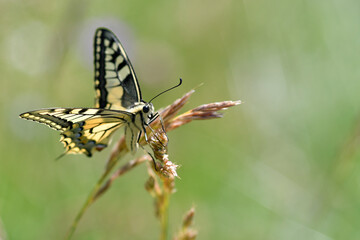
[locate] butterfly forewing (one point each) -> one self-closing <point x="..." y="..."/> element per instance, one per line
<point x="83" y="130"/>
<point x="118" y="103"/>
<point x="116" y="85"/>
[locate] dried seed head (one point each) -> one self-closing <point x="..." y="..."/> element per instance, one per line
<point x="174" y="108"/>
<point x="149" y="185"/>
<point x="158" y="143"/>
<point x="203" y="112"/>
<point x="170" y="111"/>
<point x="169" y="169"/>
<point x="187" y="233"/>
<point x="188" y="218"/>
<point x="190" y="234"/>
<point x="216" y="106"/>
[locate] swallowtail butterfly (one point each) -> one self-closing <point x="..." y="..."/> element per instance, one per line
<point x="118" y="103"/>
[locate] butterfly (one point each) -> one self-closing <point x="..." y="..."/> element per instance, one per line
<point x="118" y="103"/>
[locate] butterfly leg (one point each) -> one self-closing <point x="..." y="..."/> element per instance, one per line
<point x="150" y="156"/>
<point x="163" y="128"/>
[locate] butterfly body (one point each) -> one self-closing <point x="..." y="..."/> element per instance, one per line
<point x="118" y="103"/>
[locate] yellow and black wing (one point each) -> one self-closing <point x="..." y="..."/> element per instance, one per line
<point x="116" y="84"/>
<point x="83" y="130"/>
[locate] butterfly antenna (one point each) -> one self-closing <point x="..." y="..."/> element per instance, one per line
<point x="167" y="90"/>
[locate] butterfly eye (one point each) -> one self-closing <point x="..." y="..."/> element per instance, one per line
<point x="146" y="109"/>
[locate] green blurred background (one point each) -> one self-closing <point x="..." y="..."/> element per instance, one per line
<point x="283" y="165"/>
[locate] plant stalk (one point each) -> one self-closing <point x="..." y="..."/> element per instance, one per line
<point x="90" y="199"/>
<point x="164" y="208"/>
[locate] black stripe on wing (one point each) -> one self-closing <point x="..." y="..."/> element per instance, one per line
<point x="116" y="84"/>
<point x="83" y="130"/>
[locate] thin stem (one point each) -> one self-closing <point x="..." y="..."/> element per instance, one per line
<point x="164" y="208"/>
<point x="164" y="217"/>
<point x="88" y="202"/>
<point x="116" y="154"/>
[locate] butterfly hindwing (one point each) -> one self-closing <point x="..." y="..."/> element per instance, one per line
<point x="116" y="84"/>
<point x="83" y="130"/>
<point x="118" y="103"/>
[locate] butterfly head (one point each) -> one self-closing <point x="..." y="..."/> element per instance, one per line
<point x="148" y="109"/>
<point x="148" y="112"/>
